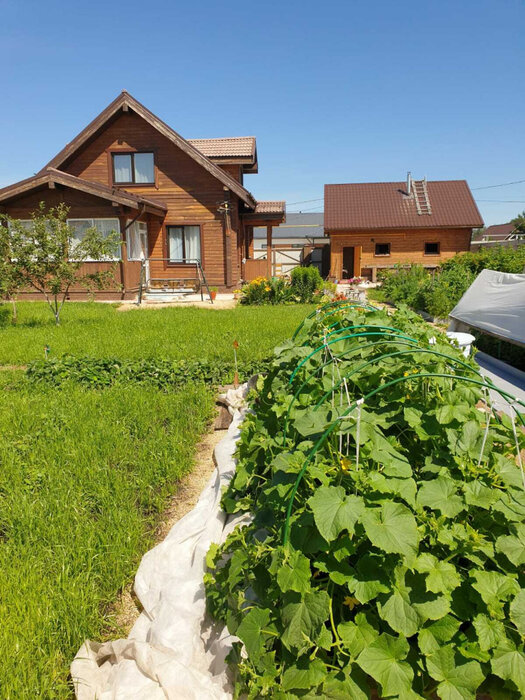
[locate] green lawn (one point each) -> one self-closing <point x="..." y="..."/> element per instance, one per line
<point x="86" y="473"/>
<point x="99" y="330"/>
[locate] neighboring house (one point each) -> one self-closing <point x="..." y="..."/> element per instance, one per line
<point x="378" y="225"/>
<point x="180" y="205"/>
<point x="299" y="241"/>
<point x="498" y="235"/>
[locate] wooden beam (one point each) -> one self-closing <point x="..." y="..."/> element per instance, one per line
<point x="269" y="251"/>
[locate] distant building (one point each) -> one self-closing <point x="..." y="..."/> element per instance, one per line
<point x="377" y="225"/>
<point x="299" y="241"/>
<point x="499" y="234"/>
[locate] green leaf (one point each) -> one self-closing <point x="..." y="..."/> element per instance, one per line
<point x="442" y="576"/>
<point x="513" y="546"/>
<point x="440" y="494"/>
<point x="508" y="663"/>
<point x="455" y="682"/>
<point x="353" y="687"/>
<point x="477" y="494"/>
<point x="495" y="589"/>
<point x="294" y="573"/>
<point x="517" y="612"/>
<point x="400" y="615"/>
<point x="250" y="630"/>
<point x="357" y="635"/>
<point x="370" y="579"/>
<point x="303" y="618"/>
<point x="434" y="635"/>
<point x="305" y="674"/>
<point x="490" y="632"/>
<point x="335" y="511"/>
<point x="384" y="661"/>
<point x="392" y="528"/>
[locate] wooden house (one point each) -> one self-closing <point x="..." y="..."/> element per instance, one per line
<point x="180" y="205"/>
<point x="380" y="225"/>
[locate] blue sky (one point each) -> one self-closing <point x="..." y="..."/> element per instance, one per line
<point x="334" y="91"/>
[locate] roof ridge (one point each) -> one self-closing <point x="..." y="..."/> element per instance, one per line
<point x="124" y="98"/>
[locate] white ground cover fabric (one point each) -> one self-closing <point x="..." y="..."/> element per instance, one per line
<point x="173" y="650"/>
<point x="495" y="303"/>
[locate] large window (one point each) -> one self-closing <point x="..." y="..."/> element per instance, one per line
<point x="184" y="243"/>
<point x="104" y="226"/>
<point x="382" y="249"/>
<point x="137" y="240"/>
<point x="133" y="168"/>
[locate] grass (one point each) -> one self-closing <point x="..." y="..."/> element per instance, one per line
<point x="85" y="473"/>
<point x="99" y="330"/>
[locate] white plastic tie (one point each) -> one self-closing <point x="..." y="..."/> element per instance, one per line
<point x="359" y="403"/>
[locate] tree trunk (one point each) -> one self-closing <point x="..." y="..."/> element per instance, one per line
<point x="15" y="315"/>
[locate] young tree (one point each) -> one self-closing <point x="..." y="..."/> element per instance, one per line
<point x="49" y="258"/>
<point x="11" y="277"/>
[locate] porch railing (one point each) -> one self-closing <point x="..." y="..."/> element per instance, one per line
<point x="146" y="277"/>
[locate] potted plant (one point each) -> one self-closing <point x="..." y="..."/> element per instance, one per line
<point x="213" y="293"/>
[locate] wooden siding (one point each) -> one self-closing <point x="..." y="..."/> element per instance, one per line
<point x="405" y="247"/>
<point x="191" y="194"/>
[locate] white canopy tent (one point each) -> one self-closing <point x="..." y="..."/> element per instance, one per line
<point x="494" y="304"/>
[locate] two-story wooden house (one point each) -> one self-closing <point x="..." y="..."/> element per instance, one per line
<point x="375" y="225"/>
<point x="179" y="205"/>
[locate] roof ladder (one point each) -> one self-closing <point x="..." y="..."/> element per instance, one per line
<point x="419" y="188"/>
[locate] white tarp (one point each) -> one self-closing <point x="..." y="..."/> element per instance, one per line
<point x="173" y="650"/>
<point x="495" y="303"/>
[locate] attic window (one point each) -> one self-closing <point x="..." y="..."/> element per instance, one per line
<point x="431" y="248"/>
<point x="133" y="168"/>
<point x="382" y="249"/>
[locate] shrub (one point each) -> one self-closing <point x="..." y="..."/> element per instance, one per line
<point x="262" y="290"/>
<point x="305" y="281"/>
<point x="404" y="285"/>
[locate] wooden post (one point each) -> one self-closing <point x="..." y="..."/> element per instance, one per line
<point x="269" y="251"/>
<point x="123" y="220"/>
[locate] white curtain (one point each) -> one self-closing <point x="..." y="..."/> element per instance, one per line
<point x="193" y="242"/>
<point x="175" y="243"/>
<point x="144" y="170"/>
<point x="122" y="165"/>
<point x="137" y="240"/>
<point x="104" y="226"/>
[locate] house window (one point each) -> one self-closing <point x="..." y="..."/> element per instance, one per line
<point x="133" y="168"/>
<point x="431" y="248"/>
<point x="184" y="243"/>
<point x="137" y="240"/>
<point x="104" y="226"/>
<point x="382" y="249"/>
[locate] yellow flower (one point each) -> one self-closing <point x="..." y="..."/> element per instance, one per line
<point x="267" y="289"/>
<point x="345" y="464"/>
<point x="350" y="602"/>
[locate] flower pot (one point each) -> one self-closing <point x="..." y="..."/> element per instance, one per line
<point x="213" y="295"/>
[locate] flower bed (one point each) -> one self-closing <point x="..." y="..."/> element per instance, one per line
<point x="388" y="541"/>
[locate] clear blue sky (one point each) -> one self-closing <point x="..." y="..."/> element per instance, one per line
<point x="335" y="91"/>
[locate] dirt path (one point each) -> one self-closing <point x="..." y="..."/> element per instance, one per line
<point x="127" y="608"/>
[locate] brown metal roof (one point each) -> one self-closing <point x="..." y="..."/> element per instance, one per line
<point x="385" y="205"/>
<point x="231" y="147"/>
<point x="51" y="175"/>
<point x="126" y="101"/>
<point x="498" y="231"/>
<point x="273" y="207"/>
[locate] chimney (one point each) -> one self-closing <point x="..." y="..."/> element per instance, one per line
<point x="409" y="182"/>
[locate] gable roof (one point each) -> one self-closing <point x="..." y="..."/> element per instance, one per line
<point x="385" y="205"/>
<point x="498" y="231"/>
<point x="126" y="101"/>
<point x="53" y="176"/>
